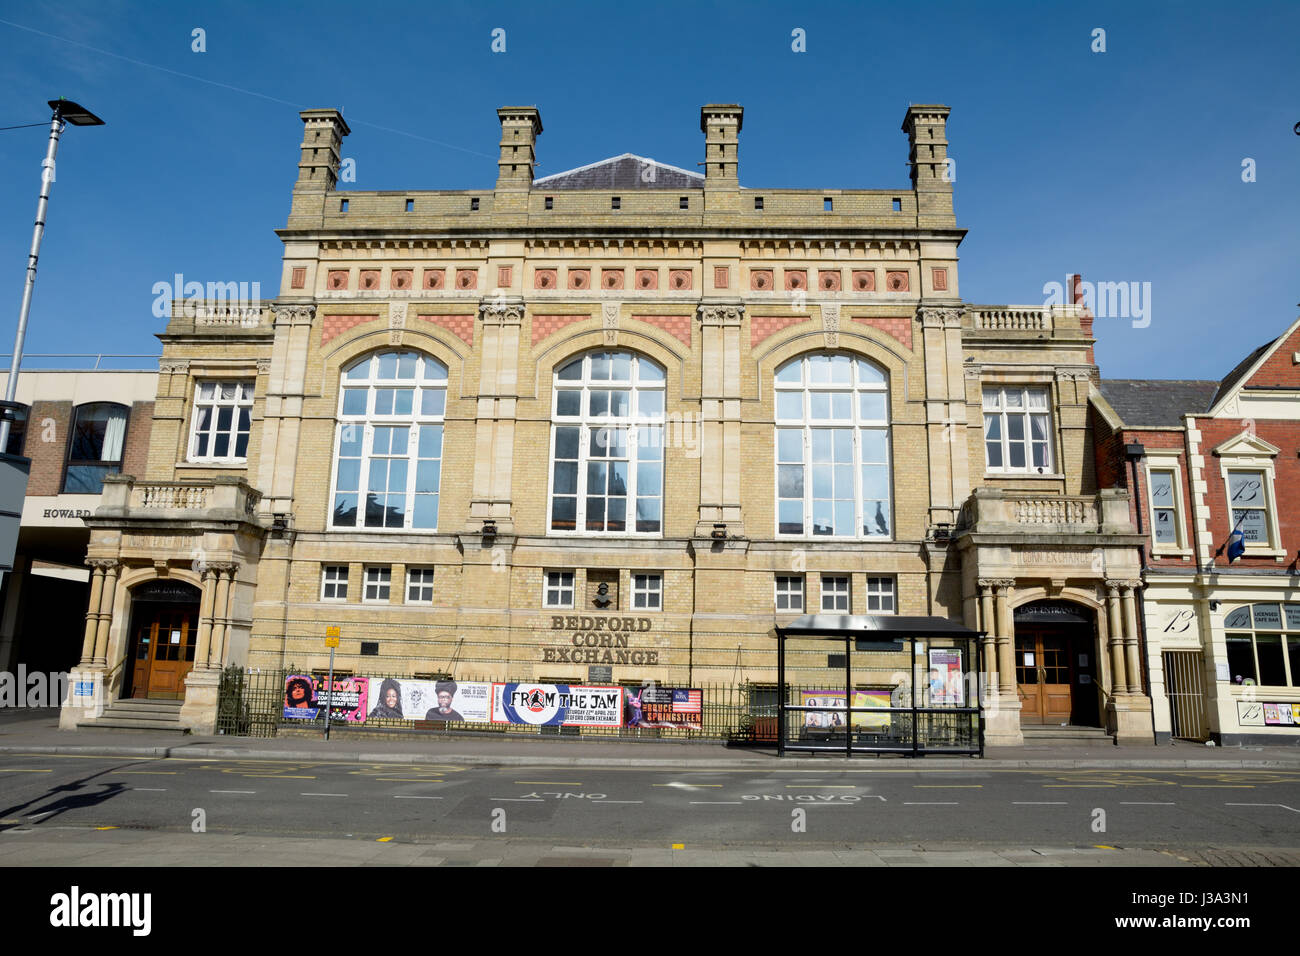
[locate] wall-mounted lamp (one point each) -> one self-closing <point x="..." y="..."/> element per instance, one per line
<point x="1214" y="605"/>
<point x="719" y="529"/>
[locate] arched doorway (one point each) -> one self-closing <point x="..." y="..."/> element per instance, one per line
<point x="1056" y="666"/>
<point x="164" y="628"/>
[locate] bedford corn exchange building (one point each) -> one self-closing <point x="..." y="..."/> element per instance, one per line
<point x="627" y="415"/>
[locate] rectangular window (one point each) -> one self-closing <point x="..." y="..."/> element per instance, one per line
<point x="343" y="205"/>
<point x="550" y="202"/>
<point x="835" y="594"/>
<point x="616" y="202"/>
<point x="880" y="596"/>
<point x="378" y="584"/>
<point x="98" y="438"/>
<point x="827" y="205"/>
<point x="419" y="585"/>
<point x="898" y="205"/>
<point x="410" y="205"/>
<point x="647" y="592"/>
<point x="473" y="204"/>
<point x="559" y="589"/>
<point x="684" y="202"/>
<point x="221" y="424"/>
<point x="1249" y="502"/>
<point x="334" y="582"/>
<point x="789" y="592"/>
<point x="758" y="203"/>
<point x="1165" y="524"/>
<point x="1017" y="430"/>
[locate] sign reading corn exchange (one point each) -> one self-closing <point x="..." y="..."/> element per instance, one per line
<point x="599" y="640"/>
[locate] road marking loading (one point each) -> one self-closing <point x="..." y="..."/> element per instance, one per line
<point x="947" y="786"/>
<point x="1282" y="805"/>
<point x="715" y="803"/>
<point x="819" y="786"/>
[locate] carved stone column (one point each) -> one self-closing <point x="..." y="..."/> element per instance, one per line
<point x="204" y="640"/>
<point x="1006" y="638"/>
<point x="990" y="627"/>
<point x="106" y="598"/>
<point x="1115" y="640"/>
<point x="225" y="573"/>
<point x="92" y="611"/>
<point x="286" y="390"/>
<point x="1133" y="664"/>
<point x="500" y="322"/>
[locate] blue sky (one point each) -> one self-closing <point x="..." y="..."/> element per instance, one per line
<point x="1124" y="165"/>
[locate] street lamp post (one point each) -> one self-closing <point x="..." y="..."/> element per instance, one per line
<point x="65" y="112"/>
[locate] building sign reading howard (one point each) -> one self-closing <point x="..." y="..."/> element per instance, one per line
<point x="599" y="640"/>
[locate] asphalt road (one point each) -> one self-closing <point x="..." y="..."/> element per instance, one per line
<point x="633" y="807"/>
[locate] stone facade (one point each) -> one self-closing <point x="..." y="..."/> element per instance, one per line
<point x="718" y="286"/>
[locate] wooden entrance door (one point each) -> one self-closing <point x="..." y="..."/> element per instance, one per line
<point x="164" y="650"/>
<point x="1043" y="674"/>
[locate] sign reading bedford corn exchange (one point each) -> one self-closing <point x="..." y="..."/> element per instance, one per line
<point x="592" y="639"/>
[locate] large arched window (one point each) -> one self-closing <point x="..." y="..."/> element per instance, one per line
<point x="388" y="450"/>
<point x="607" y="445"/>
<point x="832" y="448"/>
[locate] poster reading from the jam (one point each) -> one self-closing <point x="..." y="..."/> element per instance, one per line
<point x="555" y="704"/>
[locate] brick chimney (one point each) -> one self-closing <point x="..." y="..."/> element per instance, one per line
<point x="926" y="127"/>
<point x="1085" y="314"/>
<point x="322" y="139"/>
<point x="520" y="127"/>
<point x="720" y="123"/>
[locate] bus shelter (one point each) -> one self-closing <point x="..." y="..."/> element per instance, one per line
<point x="879" y="684"/>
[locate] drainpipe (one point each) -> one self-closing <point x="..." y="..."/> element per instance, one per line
<point x="1135" y="451"/>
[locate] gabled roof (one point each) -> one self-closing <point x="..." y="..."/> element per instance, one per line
<point x="628" y="171"/>
<point x="1237" y="374"/>
<point x="1157" y="402"/>
<point x="1239" y="378"/>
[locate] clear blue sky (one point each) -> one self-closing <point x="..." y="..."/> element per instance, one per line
<point x="1123" y="165"/>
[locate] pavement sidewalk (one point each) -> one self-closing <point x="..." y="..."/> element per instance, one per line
<point x="37" y="732"/>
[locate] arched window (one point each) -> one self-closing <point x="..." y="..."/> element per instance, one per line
<point x="832" y="448"/>
<point x="388" y="450"/>
<point x="98" y="437"/>
<point x="607" y="445"/>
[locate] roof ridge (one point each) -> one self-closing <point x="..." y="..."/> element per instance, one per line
<point x="614" y="159"/>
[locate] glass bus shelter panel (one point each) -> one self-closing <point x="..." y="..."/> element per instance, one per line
<point x="815" y="714"/>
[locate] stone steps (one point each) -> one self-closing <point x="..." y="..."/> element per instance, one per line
<point x="137" y="714"/>
<point x="1054" y="734"/>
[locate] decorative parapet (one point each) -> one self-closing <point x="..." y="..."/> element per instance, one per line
<point x="996" y="511"/>
<point x="220" y="498"/>
<point x="1024" y="318"/>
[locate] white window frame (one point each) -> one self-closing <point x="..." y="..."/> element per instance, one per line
<point x="1284" y="630"/>
<point x="994" y="404"/>
<point x="358" y="431"/>
<point x="421" y="579"/>
<point x="555" y="585"/>
<point x="242" y="402"/>
<point x="380" y="578"/>
<point x="791" y="594"/>
<point x="645" y="443"/>
<point x="1158" y="462"/>
<point x="882" y="595"/>
<point x="1249" y="453"/>
<point x="647" y="585"/>
<point x="328" y="579"/>
<point x="834" y="593"/>
<point x="866" y="378"/>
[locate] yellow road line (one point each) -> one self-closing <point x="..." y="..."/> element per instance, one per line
<point x="152" y="773"/>
<point x="1080" y="786"/>
<point x="278" y="776"/>
<point x="21" y="770"/>
<point x="819" y="786"/>
<point x="1218" y="786"/>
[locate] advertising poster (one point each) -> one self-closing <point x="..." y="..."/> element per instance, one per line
<point x="557" y="704"/>
<point x="945" y="678"/>
<point x="300" y="697"/>
<point x="834" y="717"/>
<point x="305" y="695"/>
<point x="395" y="698"/>
<point x="663" y="707"/>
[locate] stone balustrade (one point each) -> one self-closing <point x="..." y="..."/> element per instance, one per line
<point x="997" y="510"/>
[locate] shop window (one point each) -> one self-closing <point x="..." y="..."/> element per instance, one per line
<point x="220" y="427"/>
<point x="607" y="446"/>
<point x="1263" y="643"/>
<point x="832" y="448"/>
<point x="388" y="446"/>
<point x="95" y="449"/>
<point x="1017" y="430"/>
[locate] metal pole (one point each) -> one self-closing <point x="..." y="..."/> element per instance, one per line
<point x="848" y="696"/>
<point x="329" y="699"/>
<point x="780" y="692"/>
<point x="57" y="124"/>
